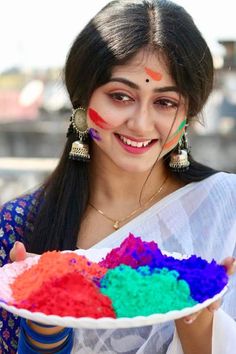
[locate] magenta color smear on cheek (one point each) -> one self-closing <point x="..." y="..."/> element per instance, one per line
<point x="94" y="134"/>
<point x="98" y="120"/>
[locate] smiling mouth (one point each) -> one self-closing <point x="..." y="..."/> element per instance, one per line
<point x="135" y="147"/>
<point x="135" y="144"/>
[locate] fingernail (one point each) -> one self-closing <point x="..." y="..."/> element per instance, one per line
<point x="16" y="244"/>
<point x="212" y="309"/>
<point x="232" y="269"/>
<point x="188" y="320"/>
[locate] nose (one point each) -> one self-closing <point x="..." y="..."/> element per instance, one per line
<point x="141" y="122"/>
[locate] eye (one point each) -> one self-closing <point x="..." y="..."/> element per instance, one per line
<point x="120" y="97"/>
<point x="166" y="103"/>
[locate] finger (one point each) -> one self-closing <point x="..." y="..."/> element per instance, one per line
<point x="18" y="252"/>
<point x="232" y="269"/>
<point x="230" y="264"/>
<point x="30" y="254"/>
<point x="214" y="306"/>
<point x="191" y="318"/>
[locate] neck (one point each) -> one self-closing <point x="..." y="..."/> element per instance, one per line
<point x="111" y="184"/>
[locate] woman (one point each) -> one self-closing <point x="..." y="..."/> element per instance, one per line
<point x="136" y="76"/>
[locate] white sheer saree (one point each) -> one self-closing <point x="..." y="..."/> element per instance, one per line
<point x="200" y="219"/>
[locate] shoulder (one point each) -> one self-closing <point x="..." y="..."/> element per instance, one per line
<point x="16" y="210"/>
<point x="217" y="191"/>
<point x="16" y="216"/>
<point x="220" y="191"/>
<point x="222" y="182"/>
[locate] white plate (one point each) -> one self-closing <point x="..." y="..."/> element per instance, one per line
<point x="9" y="272"/>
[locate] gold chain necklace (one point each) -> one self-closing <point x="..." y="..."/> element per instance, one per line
<point x="116" y="223"/>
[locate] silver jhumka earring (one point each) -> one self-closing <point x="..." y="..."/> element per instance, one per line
<point x="80" y="147"/>
<point x="179" y="161"/>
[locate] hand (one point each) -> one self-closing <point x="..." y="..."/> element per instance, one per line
<point x="18" y="252"/>
<point x="230" y="264"/>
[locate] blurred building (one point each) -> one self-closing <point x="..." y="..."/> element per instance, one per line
<point x="227" y="83"/>
<point x="230" y="54"/>
<point x="31" y="95"/>
<point x="220" y="111"/>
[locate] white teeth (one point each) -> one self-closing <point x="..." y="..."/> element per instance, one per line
<point x="134" y="143"/>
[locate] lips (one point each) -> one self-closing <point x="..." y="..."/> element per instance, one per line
<point x="135" y="145"/>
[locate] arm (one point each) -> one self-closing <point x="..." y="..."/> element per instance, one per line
<point x="196" y="337"/>
<point x="13" y="217"/>
<point x="11" y="221"/>
<point x="200" y="332"/>
<point x="49" y="330"/>
<point x="39" y="338"/>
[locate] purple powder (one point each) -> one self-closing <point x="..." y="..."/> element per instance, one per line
<point x="94" y="134"/>
<point x="205" y="279"/>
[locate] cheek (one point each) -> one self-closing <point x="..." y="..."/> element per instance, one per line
<point x="107" y="121"/>
<point x="98" y="120"/>
<point x="94" y="134"/>
<point x="174" y="137"/>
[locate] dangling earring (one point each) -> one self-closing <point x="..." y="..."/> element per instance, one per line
<point x="80" y="147"/>
<point x="179" y="161"/>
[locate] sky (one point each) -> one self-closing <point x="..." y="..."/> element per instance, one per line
<point x="38" y="34"/>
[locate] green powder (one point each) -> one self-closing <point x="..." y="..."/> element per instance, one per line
<point x="139" y="292"/>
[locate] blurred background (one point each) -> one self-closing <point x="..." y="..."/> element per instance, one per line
<point x="35" y="37"/>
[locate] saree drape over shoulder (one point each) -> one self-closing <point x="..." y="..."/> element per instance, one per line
<point x="199" y="218"/>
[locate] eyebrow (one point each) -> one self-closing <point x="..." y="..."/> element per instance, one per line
<point x="136" y="87"/>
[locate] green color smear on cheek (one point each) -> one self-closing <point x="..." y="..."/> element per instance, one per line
<point x="141" y="292"/>
<point x="174" y="138"/>
<point x="181" y="126"/>
<point x="174" y="141"/>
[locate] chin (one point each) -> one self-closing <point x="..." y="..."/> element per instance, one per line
<point x="134" y="167"/>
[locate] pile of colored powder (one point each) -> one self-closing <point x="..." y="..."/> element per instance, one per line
<point x="51" y="265"/>
<point x="69" y="295"/>
<point x="205" y="279"/>
<point x="142" y="292"/>
<point x="133" y="252"/>
<point x="134" y="279"/>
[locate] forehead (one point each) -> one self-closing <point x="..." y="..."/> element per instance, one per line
<point x="142" y="61"/>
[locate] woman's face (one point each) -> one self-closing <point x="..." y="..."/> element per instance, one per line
<point x="138" y="115"/>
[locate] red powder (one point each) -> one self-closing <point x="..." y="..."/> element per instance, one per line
<point x="153" y="74"/>
<point x="98" y="120"/>
<point x="69" y="295"/>
<point x="50" y="265"/>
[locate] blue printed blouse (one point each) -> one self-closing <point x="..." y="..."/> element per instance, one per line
<point x="16" y="218"/>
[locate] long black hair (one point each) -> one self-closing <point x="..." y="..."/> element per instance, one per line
<point x="112" y="37"/>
